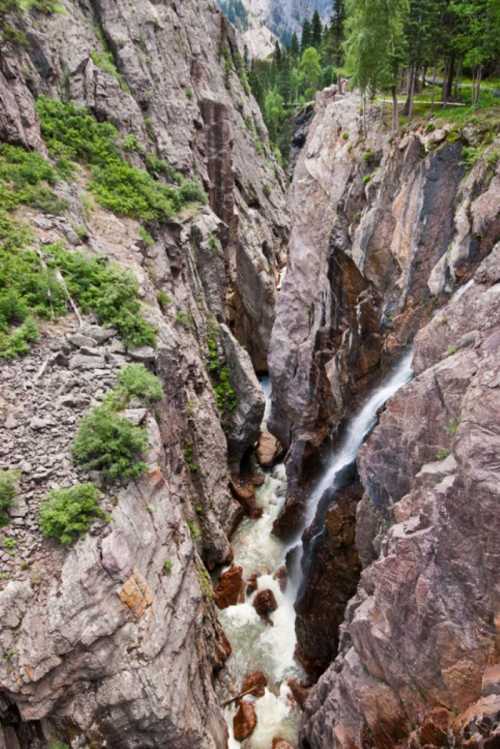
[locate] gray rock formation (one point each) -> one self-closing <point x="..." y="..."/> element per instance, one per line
<point x="380" y="231"/>
<point x="115" y="641"/>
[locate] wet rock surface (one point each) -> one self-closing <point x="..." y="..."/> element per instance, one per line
<point x="244" y="721"/>
<point x="380" y="231"/>
<point x="229" y="589"/>
<point x="421" y="633"/>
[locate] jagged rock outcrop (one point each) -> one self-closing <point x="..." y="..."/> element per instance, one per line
<point x="115" y="641"/>
<point x="418" y="660"/>
<point x="382" y="229"/>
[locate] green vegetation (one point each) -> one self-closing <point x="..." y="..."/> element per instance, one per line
<point x="419" y="36"/>
<point x="146" y="237"/>
<point x="36" y="285"/>
<point x="194" y="530"/>
<point x="9" y="544"/>
<point x="8" y="490"/>
<point x="26" y="178"/>
<point x="107" y="441"/>
<point x="110" y="443"/>
<point x="73" y="134"/>
<point x="138" y="382"/>
<point x="66" y="514"/>
<point x="11" y="12"/>
<point x="167" y="567"/>
<point x="225" y="395"/>
<point x="442" y="453"/>
<point x="189" y="460"/>
<point x="164" y="299"/>
<point x="205" y="582"/>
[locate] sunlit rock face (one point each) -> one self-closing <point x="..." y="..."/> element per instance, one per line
<point x="114" y="641"/>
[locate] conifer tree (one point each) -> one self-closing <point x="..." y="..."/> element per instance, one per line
<point x="316" y="30"/>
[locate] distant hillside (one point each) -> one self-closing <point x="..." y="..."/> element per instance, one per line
<point x="255" y="18"/>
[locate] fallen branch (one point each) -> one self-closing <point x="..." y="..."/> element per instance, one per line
<point x="238" y="696"/>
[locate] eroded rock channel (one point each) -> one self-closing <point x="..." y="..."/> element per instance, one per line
<point x="282" y="403"/>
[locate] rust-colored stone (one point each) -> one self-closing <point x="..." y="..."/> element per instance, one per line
<point x="244" y="492"/>
<point x="136" y="594"/>
<point x="244" y="721"/>
<point x="229" y="589"/>
<point x="252" y="583"/>
<point x="256" y="681"/>
<point x="279" y="743"/>
<point x="268" y="450"/>
<point x="265" y="603"/>
<point x="299" y="691"/>
<point x="281" y="576"/>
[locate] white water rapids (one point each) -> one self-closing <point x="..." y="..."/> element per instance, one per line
<point x="255" y="644"/>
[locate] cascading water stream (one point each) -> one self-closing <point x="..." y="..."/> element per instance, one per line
<point x="255" y="644"/>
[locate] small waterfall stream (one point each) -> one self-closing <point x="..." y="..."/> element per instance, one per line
<point x="257" y="645"/>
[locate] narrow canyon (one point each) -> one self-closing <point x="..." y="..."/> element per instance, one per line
<point x="249" y="411"/>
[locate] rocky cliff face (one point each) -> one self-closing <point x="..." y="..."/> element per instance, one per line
<point x="393" y="241"/>
<point x="114" y="641"/>
<point x="380" y="232"/>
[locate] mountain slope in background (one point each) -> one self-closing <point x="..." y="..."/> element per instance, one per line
<point x="257" y="18"/>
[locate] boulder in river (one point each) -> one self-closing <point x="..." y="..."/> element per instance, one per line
<point x="265" y="603"/>
<point x="244" y="721"/>
<point x="256" y="681"/>
<point x="268" y="450"/>
<point x="229" y="589"/>
<point x="279" y="743"/>
<point x="281" y="575"/>
<point x="252" y="583"/>
<point x="245" y="494"/>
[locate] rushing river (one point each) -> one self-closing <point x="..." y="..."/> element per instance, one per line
<point x="257" y="646"/>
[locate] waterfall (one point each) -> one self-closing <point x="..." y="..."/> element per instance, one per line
<point x="358" y="428"/>
<point x="255" y="644"/>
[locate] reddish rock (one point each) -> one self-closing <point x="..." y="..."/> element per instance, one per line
<point x="244" y="492"/>
<point x="244" y="721"/>
<point x="434" y="729"/>
<point x="279" y="743"/>
<point x="265" y="603"/>
<point x="229" y="589"/>
<point x="281" y="575"/>
<point x="268" y="450"/>
<point x="257" y="479"/>
<point x="299" y="692"/>
<point x="257" y="682"/>
<point x="252" y="583"/>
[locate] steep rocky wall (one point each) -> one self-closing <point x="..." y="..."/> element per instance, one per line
<point x="102" y="644"/>
<point x="381" y="230"/>
<point x="419" y="657"/>
<point x="392" y="239"/>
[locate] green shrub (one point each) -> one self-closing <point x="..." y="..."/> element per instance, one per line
<point x="104" y="61"/>
<point x="366" y="179"/>
<point x="66" y="514"/>
<point x="25" y="179"/>
<point x="167" y="567"/>
<point x="110" y="443"/>
<point x="72" y="133"/>
<point x="442" y="453"/>
<point x="139" y="382"/>
<point x="164" y="299"/>
<point x="146" y="237"/>
<point x="8" y="490"/>
<point x="225" y="395"/>
<point x="29" y="283"/>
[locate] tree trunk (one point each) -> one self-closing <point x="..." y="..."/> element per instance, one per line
<point x="408" y="107"/>
<point x="476" y="91"/>
<point x="448" y="79"/>
<point x="395" y="109"/>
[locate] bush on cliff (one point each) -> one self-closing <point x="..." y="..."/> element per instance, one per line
<point x="36" y="285"/>
<point x="73" y="134"/>
<point x="66" y="514"/>
<point x="110" y="443"/>
<point x="8" y="488"/>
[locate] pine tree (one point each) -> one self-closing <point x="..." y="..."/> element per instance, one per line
<point x="306" y="39"/>
<point x="294" y="46"/>
<point x="337" y="31"/>
<point x="316" y="30"/>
